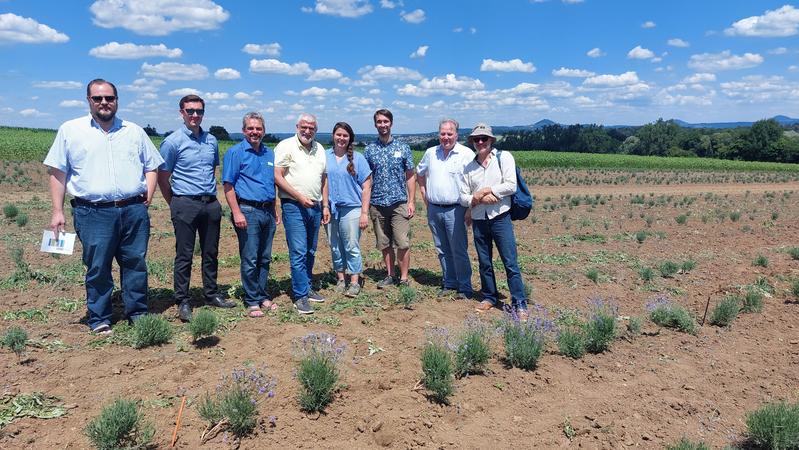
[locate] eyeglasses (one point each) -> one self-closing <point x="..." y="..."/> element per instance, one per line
<point x="480" y="139"/>
<point x="100" y="98"/>
<point x="191" y="111"/>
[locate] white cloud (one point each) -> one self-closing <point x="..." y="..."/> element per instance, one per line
<point x="14" y="28"/>
<point x="72" y="104"/>
<point x="242" y="96"/>
<point x="227" y="74"/>
<point x="514" y="65"/>
<point x="372" y="74"/>
<point x="665" y="98"/>
<point x="58" y="85"/>
<point x="700" y="78"/>
<point x="624" y="79"/>
<point x="389" y="4"/>
<point x="578" y="73"/>
<point x="677" y="42"/>
<point x="714" y="62"/>
<point x="778" y="51"/>
<point x="115" y="50"/>
<point x="648" y="24"/>
<point x="449" y="84"/>
<point x="32" y="112"/>
<point x="420" y="52"/>
<point x="324" y="74"/>
<point x="272" y="49"/>
<point x="572" y="2"/>
<point x="640" y="53"/>
<point x="374" y="91"/>
<point x="175" y="71"/>
<point x="158" y="17"/>
<point x="781" y="22"/>
<point x="234" y="108"/>
<point x="595" y="52"/>
<point x="215" y="96"/>
<point x="314" y="91"/>
<point x="275" y="66"/>
<point x="341" y="8"/>
<point x="182" y="92"/>
<point x="144" y="85"/>
<point x="759" y="88"/>
<point x="416" y="16"/>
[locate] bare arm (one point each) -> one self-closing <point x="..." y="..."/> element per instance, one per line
<point x="58" y="183"/>
<point x="164" y="186"/>
<point x="239" y="221"/>
<point x="151" y="179"/>
<point x="410" y="182"/>
<point x="366" y="196"/>
<point x="280" y="181"/>
<point x="325" y="201"/>
<point x="421" y="180"/>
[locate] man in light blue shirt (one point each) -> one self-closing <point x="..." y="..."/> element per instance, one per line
<point x="109" y="166"/>
<point x="438" y="173"/>
<point x="191" y="156"/>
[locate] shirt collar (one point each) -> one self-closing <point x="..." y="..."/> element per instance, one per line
<point x="302" y="147"/>
<point x="118" y="123"/>
<point x="189" y="133"/>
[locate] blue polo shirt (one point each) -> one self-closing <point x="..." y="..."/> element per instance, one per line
<point x="251" y="173"/>
<point x="389" y="163"/>
<point x="344" y="190"/>
<point x="191" y="160"/>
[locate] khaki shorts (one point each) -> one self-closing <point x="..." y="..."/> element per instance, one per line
<point x="392" y="225"/>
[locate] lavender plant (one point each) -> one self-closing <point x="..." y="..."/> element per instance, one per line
<point x="665" y="313"/>
<point x="120" y="425"/>
<point x="774" y="426"/>
<point x="600" y="329"/>
<point x="16" y="339"/>
<point x="318" y="371"/>
<point x="234" y="405"/>
<point x="525" y="341"/>
<point x="437" y="367"/>
<point x="204" y="323"/>
<point x="473" y="349"/>
<point x="151" y="329"/>
<point x="726" y="311"/>
<point x="752" y="300"/>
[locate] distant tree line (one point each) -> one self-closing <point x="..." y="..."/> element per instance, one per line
<point x="765" y="140"/>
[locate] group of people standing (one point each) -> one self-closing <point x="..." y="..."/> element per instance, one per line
<point x="111" y="168"/>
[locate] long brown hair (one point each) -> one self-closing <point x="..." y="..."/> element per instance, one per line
<point x="348" y="129"/>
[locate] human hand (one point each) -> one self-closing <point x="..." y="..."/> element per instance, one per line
<point x="239" y="220"/>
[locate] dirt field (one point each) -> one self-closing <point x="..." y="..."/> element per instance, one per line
<point x="647" y="391"/>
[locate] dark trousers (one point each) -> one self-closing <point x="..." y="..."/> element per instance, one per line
<point x="499" y="231"/>
<point x="191" y="217"/>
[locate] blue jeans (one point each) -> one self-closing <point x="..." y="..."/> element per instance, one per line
<point x="449" y="235"/>
<point x="344" y="234"/>
<point x="107" y="234"/>
<point x="302" y="231"/>
<point x="255" y="251"/>
<point x="499" y="230"/>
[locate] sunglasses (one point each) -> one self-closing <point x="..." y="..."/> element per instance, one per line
<point x="191" y="111"/>
<point x="100" y="98"/>
<point x="480" y="139"/>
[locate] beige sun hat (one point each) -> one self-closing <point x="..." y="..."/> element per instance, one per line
<point x="481" y="129"/>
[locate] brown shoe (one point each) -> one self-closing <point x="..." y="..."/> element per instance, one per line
<point x="484" y="306"/>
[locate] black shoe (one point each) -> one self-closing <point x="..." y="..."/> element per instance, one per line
<point x="184" y="311"/>
<point x="445" y="292"/>
<point x="219" y="302"/>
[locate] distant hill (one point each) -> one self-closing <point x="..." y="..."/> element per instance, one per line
<point x="782" y="120"/>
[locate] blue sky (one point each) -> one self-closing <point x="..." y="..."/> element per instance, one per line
<point x="507" y="62"/>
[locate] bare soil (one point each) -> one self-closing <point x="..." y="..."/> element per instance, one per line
<point x="647" y="391"/>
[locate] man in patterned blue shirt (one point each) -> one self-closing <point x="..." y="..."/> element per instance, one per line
<point x="191" y="156"/>
<point x="393" y="197"/>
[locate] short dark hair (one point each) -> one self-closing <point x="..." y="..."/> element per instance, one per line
<point x="191" y="98"/>
<point x="384" y="112"/>
<point x="99" y="81"/>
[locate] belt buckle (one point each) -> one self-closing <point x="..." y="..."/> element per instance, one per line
<point x="120" y="203"/>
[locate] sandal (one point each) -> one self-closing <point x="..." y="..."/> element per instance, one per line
<point x="254" y="311"/>
<point x="269" y="305"/>
<point x="103" y="329"/>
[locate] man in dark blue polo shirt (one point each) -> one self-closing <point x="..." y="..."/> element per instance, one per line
<point x="248" y="178"/>
<point x="191" y="156"/>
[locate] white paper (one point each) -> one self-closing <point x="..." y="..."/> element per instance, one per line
<point x="63" y="245"/>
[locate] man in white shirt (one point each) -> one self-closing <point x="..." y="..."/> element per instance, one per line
<point x="437" y="174"/>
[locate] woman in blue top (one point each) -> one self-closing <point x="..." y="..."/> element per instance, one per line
<point x="349" y="189"/>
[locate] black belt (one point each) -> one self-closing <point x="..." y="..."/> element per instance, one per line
<point x="115" y="203"/>
<point x="201" y="198"/>
<point x="450" y="205"/>
<point x="254" y="204"/>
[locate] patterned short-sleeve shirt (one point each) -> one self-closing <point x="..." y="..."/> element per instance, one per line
<point x="389" y="162"/>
